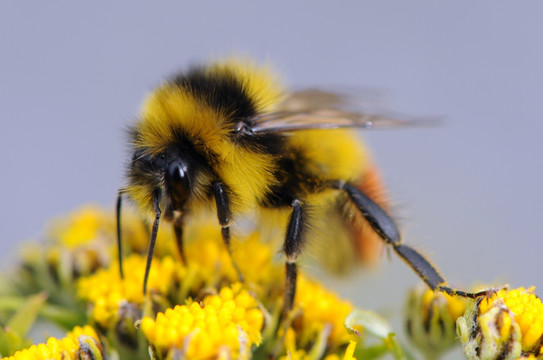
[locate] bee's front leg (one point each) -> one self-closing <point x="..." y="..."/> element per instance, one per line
<point x="178" y="231"/>
<point x="120" y="194"/>
<point x="224" y="214"/>
<point x="152" y="241"/>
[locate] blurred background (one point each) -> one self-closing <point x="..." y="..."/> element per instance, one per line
<point x="468" y="193"/>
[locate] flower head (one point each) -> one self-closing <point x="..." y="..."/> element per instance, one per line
<point x="81" y="341"/>
<point x="229" y="322"/>
<point x="107" y="292"/>
<point x="505" y="325"/>
<point x="74" y="246"/>
<point x="320" y="308"/>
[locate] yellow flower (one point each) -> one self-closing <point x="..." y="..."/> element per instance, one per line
<point x="505" y="325"/>
<point x="256" y="263"/>
<point x="83" y="226"/>
<point x="106" y="291"/>
<point x="527" y="357"/>
<point x="82" y="340"/>
<point x="292" y="353"/>
<point x="76" y="246"/>
<point x="90" y="234"/>
<point x="230" y="322"/>
<point x="320" y="308"/>
<point x="290" y="345"/>
<point x="209" y="263"/>
<point x="527" y="312"/>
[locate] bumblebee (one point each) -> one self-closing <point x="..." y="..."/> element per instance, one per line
<point x="226" y="136"/>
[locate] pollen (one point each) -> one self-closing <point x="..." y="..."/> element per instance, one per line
<point x="80" y="340"/>
<point x="229" y="320"/>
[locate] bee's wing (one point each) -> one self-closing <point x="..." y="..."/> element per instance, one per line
<point x="332" y="119"/>
<point x="339" y="99"/>
<point x="318" y="109"/>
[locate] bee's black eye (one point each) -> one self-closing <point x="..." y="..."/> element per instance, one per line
<point x="160" y="161"/>
<point x="178" y="183"/>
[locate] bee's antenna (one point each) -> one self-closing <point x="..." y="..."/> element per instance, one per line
<point x="119" y="242"/>
<point x="154" y="232"/>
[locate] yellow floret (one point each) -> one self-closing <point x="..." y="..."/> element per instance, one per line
<point x="65" y="349"/>
<point x="528" y="314"/>
<point x="209" y="261"/>
<point x="350" y="351"/>
<point x="229" y="320"/>
<point x="82" y="226"/>
<point x="319" y="308"/>
<point x="106" y="290"/>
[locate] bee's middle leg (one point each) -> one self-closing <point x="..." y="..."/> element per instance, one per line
<point x="292" y="247"/>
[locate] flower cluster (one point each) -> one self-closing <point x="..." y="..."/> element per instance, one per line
<point x="106" y="291"/>
<point x="229" y="322"/>
<point x="196" y="309"/>
<point x="319" y="308"/>
<point x="81" y="343"/>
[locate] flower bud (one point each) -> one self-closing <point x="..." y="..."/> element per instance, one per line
<point x="430" y="320"/>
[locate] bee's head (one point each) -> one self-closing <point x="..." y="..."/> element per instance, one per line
<point x="172" y="174"/>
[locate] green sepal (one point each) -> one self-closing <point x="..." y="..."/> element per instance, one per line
<point x="377" y="326"/>
<point x="13" y="335"/>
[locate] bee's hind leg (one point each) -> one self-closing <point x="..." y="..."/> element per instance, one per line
<point x="386" y="228"/>
<point x="224" y="214"/>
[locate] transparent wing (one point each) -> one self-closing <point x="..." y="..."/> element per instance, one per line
<point x="338" y="99"/>
<point x="317" y="109"/>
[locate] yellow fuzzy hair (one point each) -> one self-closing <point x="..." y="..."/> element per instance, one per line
<point x="333" y="154"/>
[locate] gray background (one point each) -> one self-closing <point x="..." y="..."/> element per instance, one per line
<point x="468" y="193"/>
